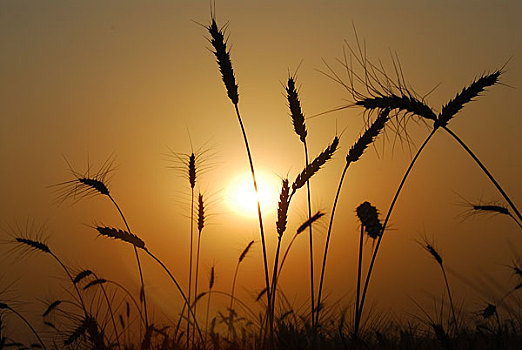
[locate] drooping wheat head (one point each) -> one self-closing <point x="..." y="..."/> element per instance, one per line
<point x="121" y="235"/>
<point x="81" y="275"/>
<point x="309" y="222"/>
<point x="52" y="306"/>
<point x="86" y="184"/>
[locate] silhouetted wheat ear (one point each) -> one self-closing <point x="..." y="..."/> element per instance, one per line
<point x="434" y="253"/>
<point x="403" y="103"/>
<point x="369" y="217"/>
<point x="245" y="251"/>
<point x="95" y="184"/>
<point x="34" y="244"/>
<point x="223" y="59"/>
<point x="261" y="293"/>
<point x="51" y="307"/>
<point x="517" y="271"/>
<point x="492" y="208"/>
<point x="282" y="208"/>
<point x="368" y="137"/>
<point x="94" y="283"/>
<point x="466" y="95"/>
<point x="192" y="170"/>
<point x="81" y="275"/>
<point x="4" y="306"/>
<point x="310" y="221"/>
<point x="315" y="165"/>
<point x="295" y="110"/>
<point x="212" y="278"/>
<point x="76" y="334"/>
<point x="121" y="235"/>
<point x="201" y="213"/>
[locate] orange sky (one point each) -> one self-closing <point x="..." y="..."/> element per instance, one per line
<point x="84" y="80"/>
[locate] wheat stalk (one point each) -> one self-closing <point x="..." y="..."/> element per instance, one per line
<point x="225" y="66"/>
<point x="354" y="154"/>
<point x="298" y="120"/>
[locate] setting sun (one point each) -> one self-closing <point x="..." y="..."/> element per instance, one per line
<point x="241" y="197"/>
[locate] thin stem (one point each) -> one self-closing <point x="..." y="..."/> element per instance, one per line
<point x="190" y="259"/>
<point x="312" y="299"/>
<point x="359" y="268"/>
<point x="208" y="312"/>
<point x="196" y="279"/>
<point x="323" y="267"/>
<point x="488" y="174"/>
<point x="514" y="219"/>
<point x="388" y="214"/>
<point x="234" y="285"/>
<point x="110" y="312"/>
<point x="285" y="255"/>
<point x="261" y="230"/>
<point x="274" y="278"/>
<point x="28" y="325"/>
<point x="129" y="294"/>
<point x="449" y="295"/>
<point x="180" y="292"/>
<point x="72" y="281"/>
<point x="138" y="262"/>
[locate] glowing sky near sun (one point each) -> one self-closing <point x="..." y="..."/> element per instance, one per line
<point x="87" y="79"/>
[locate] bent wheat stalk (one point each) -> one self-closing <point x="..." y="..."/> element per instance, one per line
<point x="388" y="214"/>
<point x="4" y="306"/>
<point x="137" y="242"/>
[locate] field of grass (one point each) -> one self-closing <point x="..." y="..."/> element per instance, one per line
<point x="102" y="313"/>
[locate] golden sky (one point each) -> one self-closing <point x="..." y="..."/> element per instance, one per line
<point x="136" y="79"/>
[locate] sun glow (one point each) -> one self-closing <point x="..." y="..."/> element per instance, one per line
<point x="241" y="197"/>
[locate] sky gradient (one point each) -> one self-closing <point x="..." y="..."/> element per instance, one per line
<point x="84" y="80"/>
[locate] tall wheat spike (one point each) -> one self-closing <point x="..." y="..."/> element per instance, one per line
<point x="219" y="43"/>
<point x="298" y="121"/>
